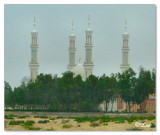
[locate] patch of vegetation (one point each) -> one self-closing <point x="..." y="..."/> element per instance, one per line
<point x="67" y="126"/>
<point x="134" y="129"/>
<point x="43" y="121"/>
<point x="52" y="118"/>
<point x="65" y="121"/>
<point x="29" y="123"/>
<point x="43" y="117"/>
<point x="153" y="125"/>
<point x="94" y="124"/>
<point x="22" y="117"/>
<point x="120" y="121"/>
<point x="5" y="123"/>
<point x="51" y="129"/>
<point x="141" y="118"/>
<point x="78" y="125"/>
<point x="151" y="118"/>
<point x="9" y="116"/>
<point x="34" y="128"/>
<point x="105" y="124"/>
<point x="13" y="122"/>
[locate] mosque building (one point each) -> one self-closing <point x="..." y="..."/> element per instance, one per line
<point x="84" y="70"/>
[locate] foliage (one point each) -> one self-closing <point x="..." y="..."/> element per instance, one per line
<point x="43" y="117"/>
<point x="43" y="121"/>
<point x="51" y="129"/>
<point x="34" y="128"/>
<point x="134" y="129"/>
<point x="72" y="94"/>
<point x="29" y="123"/>
<point x="67" y="126"/>
<point x="153" y="125"/>
<point x="22" y="117"/>
<point x="94" y="124"/>
<point x="13" y="122"/>
<point x="65" y="121"/>
<point x="9" y="116"/>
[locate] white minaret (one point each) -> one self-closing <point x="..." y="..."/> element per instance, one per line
<point x="72" y="49"/>
<point x="34" y="47"/>
<point x="125" y="49"/>
<point x="88" y="64"/>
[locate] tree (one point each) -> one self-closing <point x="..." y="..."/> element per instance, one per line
<point x="9" y="98"/>
<point x="145" y="86"/>
<point x="126" y="84"/>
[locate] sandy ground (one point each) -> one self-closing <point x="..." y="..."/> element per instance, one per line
<point x="57" y="125"/>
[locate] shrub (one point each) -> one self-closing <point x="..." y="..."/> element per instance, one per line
<point x="151" y="118"/>
<point x="51" y="129"/>
<point x="34" y="128"/>
<point x="134" y="129"/>
<point x="22" y="117"/>
<point x="141" y="118"/>
<point x="94" y="124"/>
<point x="13" y="122"/>
<point x="153" y="125"/>
<point x="52" y="118"/>
<point x="120" y="121"/>
<point x="65" y="121"/>
<point x="9" y="116"/>
<point x="67" y="126"/>
<point x="29" y="123"/>
<point x="43" y="117"/>
<point x="43" y="121"/>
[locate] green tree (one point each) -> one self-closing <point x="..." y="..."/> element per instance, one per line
<point x="126" y="84"/>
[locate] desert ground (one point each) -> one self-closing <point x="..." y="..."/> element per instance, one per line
<point x="59" y="123"/>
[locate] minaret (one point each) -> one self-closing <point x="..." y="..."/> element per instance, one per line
<point x="88" y="64"/>
<point x="34" y="47"/>
<point x="72" y="49"/>
<point x="125" y="49"/>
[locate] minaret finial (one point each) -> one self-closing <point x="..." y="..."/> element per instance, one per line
<point x="79" y="60"/>
<point x="34" y="19"/>
<point x="89" y="20"/>
<point x="72" y="27"/>
<point x="125" y="26"/>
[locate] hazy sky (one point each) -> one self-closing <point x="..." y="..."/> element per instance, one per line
<point x="54" y="26"/>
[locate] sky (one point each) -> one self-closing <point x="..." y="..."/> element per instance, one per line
<point x="54" y="26"/>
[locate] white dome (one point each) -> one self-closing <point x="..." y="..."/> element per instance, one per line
<point x="79" y="70"/>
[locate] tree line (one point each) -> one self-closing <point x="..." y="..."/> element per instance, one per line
<point x="72" y="94"/>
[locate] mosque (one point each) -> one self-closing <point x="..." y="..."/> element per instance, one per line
<point x="86" y="69"/>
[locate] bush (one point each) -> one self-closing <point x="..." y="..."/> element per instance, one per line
<point x="43" y="121"/>
<point x="13" y="122"/>
<point x="51" y="129"/>
<point x="65" y="121"/>
<point x="9" y="116"/>
<point x="94" y="124"/>
<point x="43" y="117"/>
<point x="153" y="125"/>
<point x="22" y="117"/>
<point x="134" y="129"/>
<point x="52" y="118"/>
<point x="151" y="118"/>
<point x="34" y="128"/>
<point x="67" y="126"/>
<point x="29" y="123"/>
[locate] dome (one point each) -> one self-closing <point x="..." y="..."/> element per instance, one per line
<point x="79" y="70"/>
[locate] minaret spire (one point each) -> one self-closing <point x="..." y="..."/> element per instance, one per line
<point x="88" y="64"/>
<point x="89" y="21"/>
<point x="72" y="49"/>
<point x="72" y="27"/>
<point x="125" y="25"/>
<point x="34" y="48"/>
<point x="125" y="50"/>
